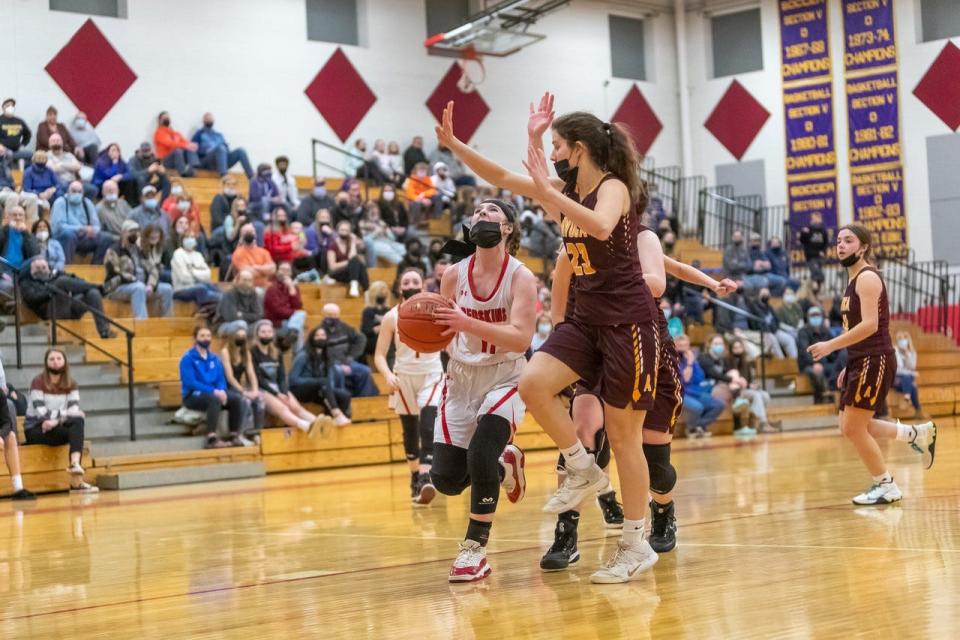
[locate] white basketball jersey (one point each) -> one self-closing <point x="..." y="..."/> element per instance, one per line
<point x="410" y="362"/>
<point x="468" y="348"/>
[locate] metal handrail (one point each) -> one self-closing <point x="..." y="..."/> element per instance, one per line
<point x="760" y="321"/>
<point x="16" y="308"/>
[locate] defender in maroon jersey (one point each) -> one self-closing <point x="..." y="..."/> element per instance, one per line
<point x="871" y="367"/>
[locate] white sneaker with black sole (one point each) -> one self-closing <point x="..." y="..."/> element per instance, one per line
<point x="626" y="564"/>
<point x="880" y="493"/>
<point x="925" y="442"/>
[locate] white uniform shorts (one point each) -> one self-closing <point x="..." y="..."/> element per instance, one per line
<point x="471" y="392"/>
<point x="416" y="391"/>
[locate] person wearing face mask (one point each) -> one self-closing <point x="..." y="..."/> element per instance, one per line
<point x="76" y="225"/>
<point x="415" y="382"/>
<point x="40" y="180"/>
<point x="67" y="166"/>
<point x="762" y="267"/>
<point x="264" y="194"/>
<point x="72" y="305"/>
<point x="52" y="127"/>
<point x="173" y="148"/>
<point x="345" y="348"/>
<point x="906" y="380"/>
<point x="394" y="213"/>
<point x="17" y="246"/>
<point x="446" y="189"/>
<point x="378" y="238"/>
<point x="149" y="211"/>
<point x="54" y="417"/>
<point x="112" y="209"/>
<point x="712" y="361"/>
<point x="413" y="259"/>
<point x="148" y="170"/>
<point x="544" y="329"/>
<point x="86" y="137"/>
<point x="781" y="343"/>
<point x="737" y="264"/>
<point x="272" y="380"/>
<point x="286" y="182"/>
<point x="247" y="255"/>
<point x="779" y="261"/>
<point x="344" y="263"/>
<point x="239" y="307"/>
<point x="15" y="135"/>
<point x="420" y="192"/>
<point x="50" y="248"/>
<point x="203" y="387"/>
<point x="214" y="152"/>
<point x="279" y="239"/>
<point x="190" y="275"/>
<point x="354" y="163"/>
<point x="376" y="308"/>
<point x="282" y="304"/>
<point x="413" y="155"/>
<point x="815" y="239"/>
<point x="317" y="199"/>
<point x="823" y="373"/>
<point x="130" y="277"/>
<point x="750" y="398"/>
<point x="457" y="172"/>
<point x="221" y="203"/>
<point x="242" y="378"/>
<point x="313" y="381"/>
<point x="169" y="204"/>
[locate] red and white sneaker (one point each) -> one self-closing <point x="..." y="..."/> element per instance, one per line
<point x="470" y="564"/>
<point x="514" y="481"/>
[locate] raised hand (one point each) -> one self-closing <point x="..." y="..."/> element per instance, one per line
<point x="536" y="166"/>
<point x="444" y="130"/>
<point x="541" y="117"/>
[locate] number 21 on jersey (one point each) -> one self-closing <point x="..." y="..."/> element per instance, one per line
<point x="580" y="259"/>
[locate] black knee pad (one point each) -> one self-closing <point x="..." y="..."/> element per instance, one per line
<point x="428" y="417"/>
<point x="411" y="436"/>
<point x="663" y="477"/>
<point x="449" y="472"/>
<point x="600" y="451"/>
<point x="483" y="462"/>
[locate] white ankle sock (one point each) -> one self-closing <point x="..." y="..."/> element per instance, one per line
<point x="883" y="478"/>
<point x="906" y="432"/>
<point x="304" y="424"/>
<point x="576" y="457"/>
<point x="633" y="532"/>
<point x="17" y="482"/>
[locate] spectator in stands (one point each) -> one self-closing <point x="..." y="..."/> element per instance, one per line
<point x="242" y="377"/>
<point x="240" y="306"/>
<point x="784" y="343"/>
<point x="382" y="162"/>
<point x="11" y="449"/>
<point x="737" y="264"/>
<point x="149" y="211"/>
<point x="282" y="304"/>
<point x="420" y="193"/>
<point x="279" y="239"/>
<point x="790" y="313"/>
<point x="432" y="284"/>
<point x="17" y="246"/>
<point x="312" y="381"/>
<point x="413" y="259"/>
<point x="544" y="329"/>
<point x="110" y="167"/>
<point x="376" y="298"/>
<point x="14" y="133"/>
<point x="814" y="239"/>
<point x="222" y="202"/>
<point x="169" y="203"/>
<point x="85" y="137"/>
<point x="272" y="379"/>
<point x="413" y="155"/>
<point x="808" y="295"/>
<point x="66" y="166"/>
<point x="668" y="241"/>
<point x="443" y="183"/>
<point x="39" y="179"/>
<point x="395" y="163"/>
<point x="394" y="213"/>
<point x="747" y="394"/>
<point x="112" y="209"/>
<point x="906" y="380"/>
<point x="156" y="250"/>
<point x="129" y="278"/>
<point x="780" y="263"/>
<point x="320" y="236"/>
<point x="434" y="252"/>
<point x="173" y="149"/>
<point x="76" y="225"/>
<point x="344" y="346"/>
<point x="51" y="127"/>
<point x="544" y="239"/>
<point x="213" y="151"/>
<point x="286" y="183"/>
<point x="348" y="205"/>
<point x="226" y="234"/>
<point x="713" y="363"/>
<point x="344" y="263"/>
<point x="700" y="408"/>
<point x="264" y="194"/>
<point x="247" y="255"/>
<point x="823" y="374"/>
<point x="378" y="239"/>
<point x="184" y="208"/>
<point x="203" y="386"/>
<point x="54" y="417"/>
<point x="9" y="197"/>
<point x="49" y="248"/>
<point x="763" y="268"/>
<point x="181" y="227"/>
<point x="191" y="276"/>
<point x="148" y="170"/>
<point x="457" y="170"/>
<point x="355" y="162"/>
<point x="37" y="295"/>
<point x="317" y="199"/>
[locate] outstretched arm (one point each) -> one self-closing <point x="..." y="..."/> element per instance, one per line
<point x="693" y="275"/>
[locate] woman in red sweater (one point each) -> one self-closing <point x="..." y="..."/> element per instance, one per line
<point x="282" y="304"/>
<point x="279" y="239"/>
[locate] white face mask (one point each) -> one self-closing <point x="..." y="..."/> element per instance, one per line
<point x="43" y="236"/>
<point x="81" y="123"/>
<point x="111" y="197"/>
<point x="389" y="195"/>
<point x="8" y="110"/>
<point x="789" y="298"/>
<point x="903" y="343"/>
<point x="176" y="190"/>
<point x="543" y="328"/>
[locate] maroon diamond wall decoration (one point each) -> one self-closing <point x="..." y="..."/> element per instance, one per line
<point x="470" y="108"/>
<point x="939" y="88"/>
<point x="340" y="95"/>
<point x="91" y="72"/>
<point x="639" y="118"/>
<point x="737" y="119"/>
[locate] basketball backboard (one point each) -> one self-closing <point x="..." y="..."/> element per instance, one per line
<point x="499" y="31"/>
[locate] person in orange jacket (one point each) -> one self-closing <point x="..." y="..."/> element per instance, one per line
<point x="173" y="149"/>
<point x="420" y="192"/>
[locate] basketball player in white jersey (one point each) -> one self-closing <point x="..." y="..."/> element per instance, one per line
<point x="494" y="316"/>
<point x="415" y="383"/>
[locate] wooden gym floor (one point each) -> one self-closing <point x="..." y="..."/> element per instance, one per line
<point x="770" y="547"/>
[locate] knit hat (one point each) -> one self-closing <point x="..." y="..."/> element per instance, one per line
<point x="129" y="225"/>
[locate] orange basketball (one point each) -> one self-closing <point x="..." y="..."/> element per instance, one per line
<point x="415" y="324"/>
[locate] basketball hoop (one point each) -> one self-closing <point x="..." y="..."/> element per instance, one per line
<point x="473" y="72"/>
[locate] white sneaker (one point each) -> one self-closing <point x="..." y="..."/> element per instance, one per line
<point x="328" y="280"/>
<point x="577" y="486"/>
<point x="342" y="420"/>
<point x="880" y="493"/>
<point x="84" y="487"/>
<point x="470" y="564"/>
<point x="75" y="470"/>
<point x="925" y="442"/>
<point x="626" y="564"/>
<point x="514" y="481"/>
<point x="354" y="289"/>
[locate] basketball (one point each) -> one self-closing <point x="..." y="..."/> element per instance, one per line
<point x="415" y="323"/>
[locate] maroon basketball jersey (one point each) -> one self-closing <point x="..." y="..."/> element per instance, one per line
<point x="879" y="343"/>
<point x="608" y="283"/>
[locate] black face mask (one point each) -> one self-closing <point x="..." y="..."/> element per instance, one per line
<point x="240" y="342"/>
<point x="737" y="243"/>
<point x="165" y="122"/>
<point x="132" y="238"/>
<point x="486" y="234"/>
<point x="203" y="344"/>
<point x="564" y="172"/>
<point x="776" y="250"/>
<point x="329" y="323"/>
<point x="850" y="260"/>
<point x="55" y="372"/>
<point x="249" y="238"/>
<point x="381" y="300"/>
<point x="764" y="298"/>
<point x="409" y="293"/>
<point x="265" y="341"/>
<point x="318" y="344"/>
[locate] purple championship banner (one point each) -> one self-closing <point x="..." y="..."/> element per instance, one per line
<point x="811" y="159"/>
<point x="873" y="113"/>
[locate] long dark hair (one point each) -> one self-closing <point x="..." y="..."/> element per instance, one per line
<point x="609" y="145"/>
<point x="66" y="382"/>
<point x="863" y="235"/>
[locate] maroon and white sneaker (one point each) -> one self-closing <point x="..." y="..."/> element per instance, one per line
<point x="514" y="481"/>
<point x="470" y="564"/>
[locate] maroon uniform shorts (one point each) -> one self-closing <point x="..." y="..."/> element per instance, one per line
<point x="621" y="360"/>
<point x="867" y="381"/>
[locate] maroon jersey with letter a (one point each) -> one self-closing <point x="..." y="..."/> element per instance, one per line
<point x="850" y="308"/>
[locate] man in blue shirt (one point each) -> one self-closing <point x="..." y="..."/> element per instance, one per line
<point x="203" y="385"/>
<point x="214" y="151"/>
<point x="76" y="225"/>
<point x="17" y="245"/>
